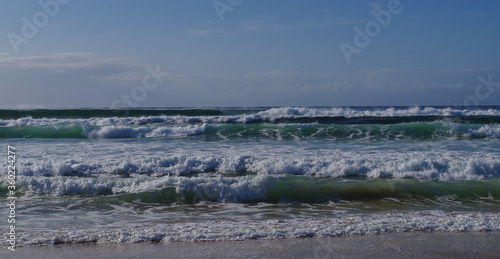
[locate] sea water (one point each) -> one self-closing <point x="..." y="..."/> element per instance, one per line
<point x="161" y="175"/>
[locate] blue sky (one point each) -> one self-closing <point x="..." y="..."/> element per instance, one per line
<point x="262" y="53"/>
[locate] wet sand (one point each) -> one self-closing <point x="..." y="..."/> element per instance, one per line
<point x="400" y="245"/>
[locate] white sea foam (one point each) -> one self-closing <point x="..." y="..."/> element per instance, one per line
<point x="215" y="230"/>
<point x="213" y="187"/>
<point x="242" y="189"/>
<point x="295" y="112"/>
<point x="58" y="180"/>
<point x="144" y="131"/>
<point x="484" y="131"/>
<point x="450" y="166"/>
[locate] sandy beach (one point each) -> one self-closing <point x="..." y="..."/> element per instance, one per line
<point x="401" y="245"/>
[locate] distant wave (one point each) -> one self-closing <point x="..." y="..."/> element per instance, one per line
<point x="102" y="113"/>
<point x="287" y="112"/>
<point x="139" y="117"/>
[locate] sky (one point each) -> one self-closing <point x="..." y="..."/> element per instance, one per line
<point x="227" y="53"/>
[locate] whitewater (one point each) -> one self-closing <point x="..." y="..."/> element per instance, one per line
<point x="168" y="175"/>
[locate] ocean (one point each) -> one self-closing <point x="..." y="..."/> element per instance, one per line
<point x="164" y="175"/>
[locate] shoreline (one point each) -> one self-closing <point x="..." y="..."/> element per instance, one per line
<point x="406" y="244"/>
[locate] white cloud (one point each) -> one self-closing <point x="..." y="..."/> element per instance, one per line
<point x="61" y="61"/>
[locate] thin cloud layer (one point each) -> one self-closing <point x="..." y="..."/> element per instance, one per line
<point x="62" y="60"/>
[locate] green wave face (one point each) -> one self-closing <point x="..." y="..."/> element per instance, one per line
<point x="483" y="194"/>
<point x="309" y="190"/>
<point x="416" y="131"/>
<point x="289" y="132"/>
